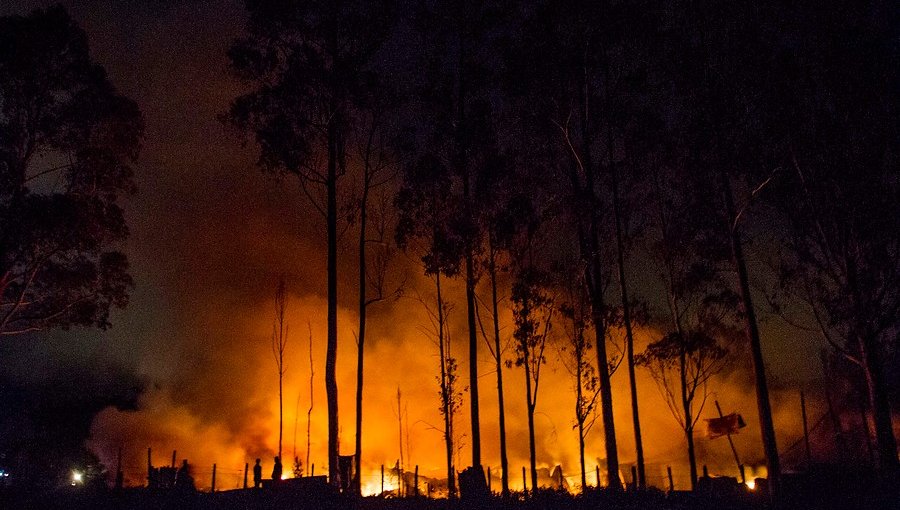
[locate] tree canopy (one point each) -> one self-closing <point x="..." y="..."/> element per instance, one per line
<point x="68" y="141"/>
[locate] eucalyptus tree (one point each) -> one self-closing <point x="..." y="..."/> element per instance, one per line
<point x="68" y="141"/>
<point x="308" y="64"/>
<point x="425" y="228"/>
<point x="554" y="72"/>
<point x="457" y="57"/>
<point x="838" y="197"/>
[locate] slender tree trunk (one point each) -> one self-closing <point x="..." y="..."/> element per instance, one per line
<point x="626" y="317"/>
<point x="357" y="460"/>
<point x="528" y="399"/>
<point x="773" y="466"/>
<point x="688" y="415"/>
<point x="311" y="400"/>
<point x="331" y="348"/>
<point x="400" y="431"/>
<point x="279" y="343"/>
<point x="473" y="362"/>
<point x="593" y="275"/>
<point x="280" y="412"/>
<point x="692" y="455"/>
<point x="579" y="414"/>
<point x="504" y="461"/>
<point x="446" y="393"/>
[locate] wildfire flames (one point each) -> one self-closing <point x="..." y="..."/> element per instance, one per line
<point x="227" y="412"/>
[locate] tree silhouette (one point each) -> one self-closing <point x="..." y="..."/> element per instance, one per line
<point x="455" y="52"/>
<point x="308" y="63"/>
<point x="838" y="116"/>
<point x="280" y="331"/>
<point x="575" y="355"/>
<point x="555" y="71"/>
<point x="426" y="213"/>
<point x="67" y="143"/>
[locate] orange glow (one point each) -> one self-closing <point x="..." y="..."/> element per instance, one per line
<point x="228" y="415"/>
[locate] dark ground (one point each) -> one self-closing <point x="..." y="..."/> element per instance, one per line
<point x="822" y="490"/>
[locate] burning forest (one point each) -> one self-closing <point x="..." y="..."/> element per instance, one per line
<point x="273" y="254"/>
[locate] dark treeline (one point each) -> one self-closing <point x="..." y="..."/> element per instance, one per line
<point x="562" y="154"/>
<point x="554" y="148"/>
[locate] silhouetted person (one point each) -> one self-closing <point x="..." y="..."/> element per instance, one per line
<point x="257" y="475"/>
<point x="183" y="478"/>
<point x="276" y="471"/>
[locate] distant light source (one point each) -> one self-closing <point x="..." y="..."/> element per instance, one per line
<point x="751" y="484"/>
<point x="77" y="478"/>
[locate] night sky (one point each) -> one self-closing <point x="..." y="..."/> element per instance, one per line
<point x="210" y="233"/>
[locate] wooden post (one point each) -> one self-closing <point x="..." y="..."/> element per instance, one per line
<point x="149" y="466"/>
<point x="634" y="480"/>
<point x="246" y="468"/>
<point x="805" y="428"/>
<point x="213" y="488"/>
<point x="671" y="481"/>
<point x="312" y="471"/>
<point x="416" y="481"/>
<point x="173" y="457"/>
<point x="382" y="479"/>
<point x="734" y="452"/>
<point x="597" y="474"/>
<point x="489" y="478"/>
<point x="705" y="471"/>
<point x="524" y="483"/>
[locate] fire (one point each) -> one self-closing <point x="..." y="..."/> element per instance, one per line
<point x="751" y="484"/>
<point x="217" y="414"/>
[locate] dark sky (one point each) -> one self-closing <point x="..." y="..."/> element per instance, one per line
<point x="209" y="235"/>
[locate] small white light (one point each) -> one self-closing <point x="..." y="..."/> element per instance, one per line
<point x="77" y="477"/>
<point x="751" y="484"/>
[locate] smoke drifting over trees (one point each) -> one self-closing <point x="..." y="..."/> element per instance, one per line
<point x="538" y="171"/>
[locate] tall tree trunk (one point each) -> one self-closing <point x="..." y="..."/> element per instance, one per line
<point x="363" y="214"/>
<point x="473" y="361"/>
<point x="580" y="414"/>
<point x="626" y="316"/>
<point x="528" y="399"/>
<point x="593" y="277"/>
<point x="688" y="415"/>
<point x="331" y="347"/>
<point x="773" y="466"/>
<point x="446" y="393"/>
<point x="470" y="271"/>
<point x="504" y="461"/>
<point x="311" y="400"/>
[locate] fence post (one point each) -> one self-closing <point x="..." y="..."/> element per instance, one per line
<point x="671" y="482"/>
<point x="212" y="490"/>
<point x="416" y="481"/>
<point x="246" y="467"/>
